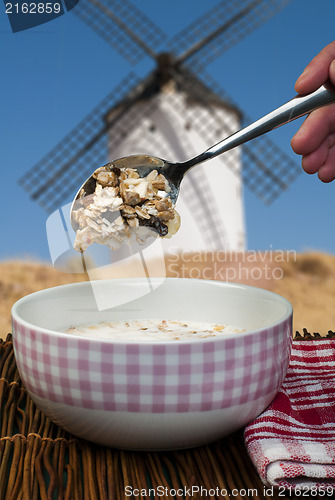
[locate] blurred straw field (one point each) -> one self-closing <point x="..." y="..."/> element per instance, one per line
<point x="307" y="280"/>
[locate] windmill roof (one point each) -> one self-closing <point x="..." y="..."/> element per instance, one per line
<point x="177" y="79"/>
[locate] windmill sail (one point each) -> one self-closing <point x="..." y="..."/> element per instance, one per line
<point x="123" y="26"/>
<point x="55" y="179"/>
<point x="226" y="24"/>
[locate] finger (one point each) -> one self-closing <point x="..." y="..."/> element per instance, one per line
<point x="317" y="71"/>
<point x="326" y="173"/>
<point x="310" y="135"/>
<point x="313" y="162"/>
<point x="332" y="72"/>
<point x="314" y="130"/>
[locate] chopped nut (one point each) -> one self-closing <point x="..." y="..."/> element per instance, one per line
<point x="142" y="213"/>
<point x="132" y="173"/>
<point x="150" y="194"/>
<point x="149" y="207"/>
<point x="163" y="204"/>
<point x="166" y="215"/>
<point x="159" y="182"/>
<point x="105" y="177"/>
<point x="131" y="197"/>
<point x="128" y="211"/>
<point x="123" y="175"/>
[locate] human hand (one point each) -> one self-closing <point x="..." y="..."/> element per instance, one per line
<point x="315" y="140"/>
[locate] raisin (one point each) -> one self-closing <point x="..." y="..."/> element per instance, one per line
<point x="116" y="170"/>
<point x="155" y="224"/>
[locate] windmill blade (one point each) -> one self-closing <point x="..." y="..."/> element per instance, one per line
<point x="219" y="29"/>
<point x="123" y="26"/>
<point x="267" y="171"/>
<point x="54" y="180"/>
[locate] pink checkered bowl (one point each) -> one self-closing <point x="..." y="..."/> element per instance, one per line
<point x="152" y="395"/>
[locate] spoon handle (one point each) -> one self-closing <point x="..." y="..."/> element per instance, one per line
<point x="295" y="108"/>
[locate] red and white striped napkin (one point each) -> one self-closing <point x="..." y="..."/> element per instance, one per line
<point x="293" y="442"/>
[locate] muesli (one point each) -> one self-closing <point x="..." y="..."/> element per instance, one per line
<point x="154" y="330"/>
<point x="123" y="206"/>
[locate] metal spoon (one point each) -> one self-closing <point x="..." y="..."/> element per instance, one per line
<point x="174" y="172"/>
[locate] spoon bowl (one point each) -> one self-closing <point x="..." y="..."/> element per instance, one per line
<point x="143" y="164"/>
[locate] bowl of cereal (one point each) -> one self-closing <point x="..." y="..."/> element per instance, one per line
<point x="166" y="364"/>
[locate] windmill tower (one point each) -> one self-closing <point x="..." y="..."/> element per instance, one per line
<point x="176" y="112"/>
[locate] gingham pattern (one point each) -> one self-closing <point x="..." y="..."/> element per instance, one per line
<point x="176" y="377"/>
<point x="293" y="441"/>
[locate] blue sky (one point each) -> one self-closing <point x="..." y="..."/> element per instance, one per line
<point x="53" y="75"/>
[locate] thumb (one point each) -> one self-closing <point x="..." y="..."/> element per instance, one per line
<point x="332" y="72"/>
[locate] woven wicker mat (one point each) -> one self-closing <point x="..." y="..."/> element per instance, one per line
<point x="39" y="460"/>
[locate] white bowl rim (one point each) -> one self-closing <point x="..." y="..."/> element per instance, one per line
<point x="270" y="294"/>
